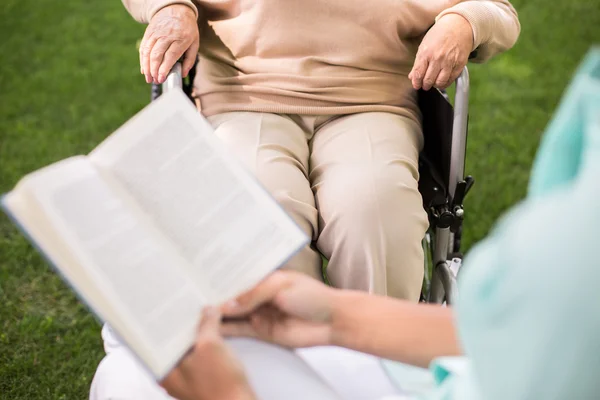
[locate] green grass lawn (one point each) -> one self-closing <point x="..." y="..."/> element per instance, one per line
<point x="69" y="76"/>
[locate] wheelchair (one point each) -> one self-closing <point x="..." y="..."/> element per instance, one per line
<point x="442" y="182"/>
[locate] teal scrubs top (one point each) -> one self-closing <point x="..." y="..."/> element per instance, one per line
<point x="529" y="309"/>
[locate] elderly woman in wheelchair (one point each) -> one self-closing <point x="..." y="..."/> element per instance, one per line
<point x="319" y="100"/>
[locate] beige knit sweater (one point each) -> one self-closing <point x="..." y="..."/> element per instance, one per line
<point x="323" y="57"/>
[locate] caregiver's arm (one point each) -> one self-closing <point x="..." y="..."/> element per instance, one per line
<point x="293" y="310"/>
<point x="399" y="330"/>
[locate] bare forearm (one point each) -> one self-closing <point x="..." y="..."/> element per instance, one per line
<point x="393" y="329"/>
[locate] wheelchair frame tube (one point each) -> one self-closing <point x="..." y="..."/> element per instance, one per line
<point x="443" y="281"/>
<point x="459" y="131"/>
<point x="174" y="79"/>
<point x="440" y="254"/>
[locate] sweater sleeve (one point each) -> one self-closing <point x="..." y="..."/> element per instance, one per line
<point x="495" y="25"/>
<point x="143" y="10"/>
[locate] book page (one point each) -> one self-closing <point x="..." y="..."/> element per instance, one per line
<point x="213" y="212"/>
<point x="141" y="285"/>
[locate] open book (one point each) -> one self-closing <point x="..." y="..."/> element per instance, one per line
<point x="158" y="221"/>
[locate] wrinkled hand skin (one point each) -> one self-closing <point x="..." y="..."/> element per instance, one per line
<point x="171" y="34"/>
<point x="443" y="53"/>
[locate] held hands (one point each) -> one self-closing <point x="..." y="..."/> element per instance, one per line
<point x="287" y="308"/>
<point x="172" y="32"/>
<point x="443" y="53"/>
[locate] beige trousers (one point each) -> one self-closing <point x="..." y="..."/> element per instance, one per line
<point x="350" y="182"/>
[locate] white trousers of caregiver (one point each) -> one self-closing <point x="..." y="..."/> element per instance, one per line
<point x="275" y="373"/>
<point x="351" y="183"/>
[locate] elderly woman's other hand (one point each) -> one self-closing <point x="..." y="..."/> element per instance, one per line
<point x="443" y="53"/>
<point x="172" y="32"/>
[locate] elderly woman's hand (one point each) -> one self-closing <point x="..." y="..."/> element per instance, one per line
<point x="443" y="53"/>
<point x="172" y="32"/>
<point x="210" y="370"/>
